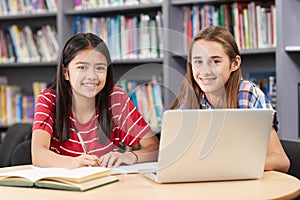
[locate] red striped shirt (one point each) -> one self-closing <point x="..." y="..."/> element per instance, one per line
<point x="128" y="125"/>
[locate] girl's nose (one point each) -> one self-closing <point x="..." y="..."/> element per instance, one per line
<point x="208" y="67"/>
<point x="206" y="72"/>
<point x="91" y="74"/>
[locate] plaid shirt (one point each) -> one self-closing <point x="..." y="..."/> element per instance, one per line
<point x="250" y="96"/>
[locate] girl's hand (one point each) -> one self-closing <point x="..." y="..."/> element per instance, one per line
<point x="114" y="159"/>
<point x="86" y="160"/>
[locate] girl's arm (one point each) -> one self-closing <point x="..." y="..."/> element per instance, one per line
<point x="147" y="153"/>
<point x="276" y="157"/>
<point x="149" y="148"/>
<point x="43" y="157"/>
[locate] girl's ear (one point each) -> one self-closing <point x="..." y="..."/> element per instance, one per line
<point x="66" y="74"/>
<point x="235" y="65"/>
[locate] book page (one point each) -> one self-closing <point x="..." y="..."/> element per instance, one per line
<point x="67" y="185"/>
<point x="29" y="174"/>
<point x="136" y="168"/>
<point x="76" y="175"/>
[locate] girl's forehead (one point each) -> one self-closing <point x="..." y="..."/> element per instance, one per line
<point x="89" y="51"/>
<point x="207" y="48"/>
<point x="90" y="55"/>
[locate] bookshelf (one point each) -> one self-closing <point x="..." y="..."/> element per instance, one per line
<point x="25" y="73"/>
<point x="288" y="67"/>
<point x="284" y="58"/>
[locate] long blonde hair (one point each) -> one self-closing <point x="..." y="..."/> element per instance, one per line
<point x="190" y="92"/>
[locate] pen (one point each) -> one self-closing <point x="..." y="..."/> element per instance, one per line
<point x="80" y="139"/>
<point x="82" y="143"/>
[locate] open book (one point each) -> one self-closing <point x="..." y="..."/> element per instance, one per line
<point x="79" y="179"/>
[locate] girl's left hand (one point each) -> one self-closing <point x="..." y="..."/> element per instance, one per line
<point x="114" y="159"/>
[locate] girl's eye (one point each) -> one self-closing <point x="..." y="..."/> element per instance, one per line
<point x="81" y="67"/>
<point x="101" y="68"/>
<point x="198" y="61"/>
<point x="211" y="63"/>
<point x="215" y="61"/>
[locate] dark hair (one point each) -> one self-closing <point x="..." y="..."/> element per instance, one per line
<point x="190" y="92"/>
<point x="76" y="43"/>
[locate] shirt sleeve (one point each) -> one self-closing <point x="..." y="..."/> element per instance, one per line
<point x="44" y="111"/>
<point x="250" y="96"/>
<point x="131" y="124"/>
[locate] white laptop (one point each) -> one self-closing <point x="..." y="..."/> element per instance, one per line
<point x="213" y="145"/>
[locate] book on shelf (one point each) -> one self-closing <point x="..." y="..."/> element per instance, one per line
<point x="195" y="19"/>
<point x="52" y="5"/>
<point x="131" y="85"/>
<point x="225" y="16"/>
<point x="160" y="34"/>
<point x="147" y="98"/>
<point x="26" y="7"/>
<point x="8" y="94"/>
<point x="78" y="5"/>
<point x="2" y="104"/>
<point x="273" y="25"/>
<point x="144" y="39"/>
<point x="15" y="34"/>
<point x="11" y="92"/>
<point x="151" y="105"/>
<point x="29" y="40"/>
<point x="124" y="36"/>
<point x="187" y="29"/>
<point x="238" y="25"/>
<point x="245" y="19"/>
<point x="3" y="49"/>
<point x="266" y="81"/>
<point x="27" y="106"/>
<point x="10" y="48"/>
<point x="88" y="4"/>
<point x="158" y="102"/>
<point x="46" y="50"/>
<point x="15" y="105"/>
<point x="154" y="42"/>
<point x="37" y="87"/>
<point x="252" y="23"/>
<point x="127" y="37"/>
<point x="79" y="179"/>
<point x="28" y="44"/>
<point x="142" y="101"/>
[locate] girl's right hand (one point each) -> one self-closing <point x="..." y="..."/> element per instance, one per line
<point x="86" y="160"/>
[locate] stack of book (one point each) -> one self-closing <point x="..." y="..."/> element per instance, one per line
<point x="79" y="179"/>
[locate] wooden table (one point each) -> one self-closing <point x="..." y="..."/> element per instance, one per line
<point x="273" y="185"/>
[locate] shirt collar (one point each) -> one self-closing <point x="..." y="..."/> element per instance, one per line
<point x="204" y="103"/>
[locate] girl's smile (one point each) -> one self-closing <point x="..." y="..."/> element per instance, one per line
<point x="207" y="80"/>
